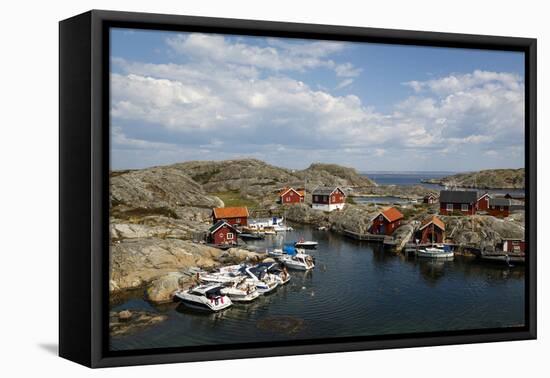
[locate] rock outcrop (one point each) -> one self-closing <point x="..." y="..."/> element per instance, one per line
<point x="126" y="322"/>
<point x="486" y="179"/>
<point x="161" y="264"/>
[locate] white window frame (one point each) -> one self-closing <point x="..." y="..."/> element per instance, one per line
<point x="238" y="220"/>
<point x="450" y="207"/>
<point x="464" y="207"/>
<point x="229" y="236"/>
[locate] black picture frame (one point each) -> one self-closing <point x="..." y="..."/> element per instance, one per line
<point x="84" y="185"/>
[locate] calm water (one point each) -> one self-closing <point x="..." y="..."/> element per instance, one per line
<point x="355" y="289"/>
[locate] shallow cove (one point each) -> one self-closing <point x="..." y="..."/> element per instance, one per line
<point x="355" y="289"/>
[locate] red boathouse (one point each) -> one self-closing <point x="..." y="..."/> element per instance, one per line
<point x="432" y="230"/>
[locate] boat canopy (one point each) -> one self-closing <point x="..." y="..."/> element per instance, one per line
<point x="289" y="249"/>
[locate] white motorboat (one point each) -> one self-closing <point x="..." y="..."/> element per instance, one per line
<point x="265" y="282"/>
<point x="306" y="244"/>
<point x="219" y="277"/>
<point x="276" y="253"/>
<point x="434" y="253"/>
<point x="279" y="272"/>
<point x="243" y="291"/>
<point x="299" y="261"/>
<point x="205" y="297"/>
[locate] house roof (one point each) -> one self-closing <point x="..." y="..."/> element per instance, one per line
<point x="500" y="202"/>
<point x="219" y="224"/>
<point x="480" y="195"/>
<point x="435" y="220"/>
<point x="230" y="212"/>
<point x="430" y="195"/>
<point x="391" y="214"/>
<point x="458" y="196"/>
<point x="326" y="190"/>
<point x="284" y="191"/>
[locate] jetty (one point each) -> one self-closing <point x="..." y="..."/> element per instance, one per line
<point x="364" y="236"/>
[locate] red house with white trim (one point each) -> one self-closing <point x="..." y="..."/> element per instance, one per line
<point x="513" y="245"/>
<point x="386" y="221"/>
<point x="235" y="216"/>
<point x="290" y="196"/>
<point x="499" y="207"/>
<point x="483" y="202"/>
<point x="222" y="233"/>
<point x="328" y="199"/>
<point x="458" y="202"/>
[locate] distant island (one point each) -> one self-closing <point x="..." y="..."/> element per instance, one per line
<point x="486" y="179"/>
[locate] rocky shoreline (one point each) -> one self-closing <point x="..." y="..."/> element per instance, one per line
<point x="513" y="179"/>
<point x="160" y="215"/>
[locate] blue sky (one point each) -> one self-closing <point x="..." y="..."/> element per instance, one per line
<point x="185" y="96"/>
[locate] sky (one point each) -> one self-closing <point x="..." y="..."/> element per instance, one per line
<point x="292" y="102"/>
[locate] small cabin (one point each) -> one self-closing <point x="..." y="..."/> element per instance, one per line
<point x="432" y="230"/>
<point x="499" y="207"/>
<point x="222" y="233"/>
<point x="458" y="201"/>
<point x="290" y="196"/>
<point x="328" y="199"/>
<point x="386" y="221"/>
<point x="483" y="202"/>
<point x="235" y="216"/>
<point x="513" y="245"/>
<point x="430" y="199"/>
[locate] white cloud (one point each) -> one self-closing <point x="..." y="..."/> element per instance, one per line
<point x="344" y="83"/>
<point x="277" y="55"/>
<point x="235" y="99"/>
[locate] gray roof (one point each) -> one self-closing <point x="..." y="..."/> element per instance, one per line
<point x="458" y="196"/>
<point x="219" y="224"/>
<point x="324" y="190"/>
<point x="499" y="202"/>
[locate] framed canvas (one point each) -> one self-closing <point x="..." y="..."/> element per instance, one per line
<point x="235" y="188"/>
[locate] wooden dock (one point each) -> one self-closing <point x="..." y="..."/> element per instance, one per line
<point x="365" y="236"/>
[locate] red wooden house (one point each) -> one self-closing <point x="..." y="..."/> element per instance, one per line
<point x="499" y="207"/>
<point x="513" y="245"/>
<point x="328" y="199"/>
<point x="235" y="216"/>
<point x="483" y="202"/>
<point x="386" y="221"/>
<point x="222" y="233"/>
<point x="458" y="201"/>
<point x="432" y="230"/>
<point x="289" y="196"/>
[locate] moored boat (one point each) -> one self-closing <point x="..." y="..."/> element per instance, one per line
<point x="265" y="282"/>
<point x="306" y="244"/>
<point x="298" y="261"/>
<point x="204" y="297"/>
<point x="435" y="253"/>
<point x="243" y="291"/>
<point x="279" y="272"/>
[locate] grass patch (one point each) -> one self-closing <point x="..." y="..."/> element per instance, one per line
<point x="234" y="198"/>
